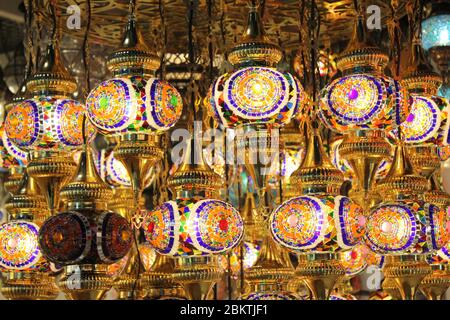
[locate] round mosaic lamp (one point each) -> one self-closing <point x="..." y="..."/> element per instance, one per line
<point x="436" y="34"/>
<point x="48" y="125"/>
<point x="362" y="104"/>
<point x="135" y="106"/>
<point x="319" y="224"/>
<point x="26" y="274"/>
<point x="255" y="92"/>
<point x="405" y="228"/>
<point x="12" y="158"/>
<point x="426" y="128"/>
<point x="194" y="227"/>
<point x="87" y="237"/>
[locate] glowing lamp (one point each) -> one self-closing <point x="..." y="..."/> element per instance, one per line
<point x="255" y="92"/>
<point x="187" y="227"/>
<point x="19" y="249"/>
<point x="133" y="101"/>
<point x="436" y="31"/>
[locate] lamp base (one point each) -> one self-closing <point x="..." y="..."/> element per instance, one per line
<point x="408" y="271"/>
<point x="85" y="282"/>
<point x="434" y="285"/>
<point x="197" y="275"/>
<point x="320" y="272"/>
<point x="28" y="285"/>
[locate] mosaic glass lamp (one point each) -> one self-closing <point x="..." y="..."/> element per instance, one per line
<point x="194" y="227"/>
<point x="87" y="237"/>
<point x="48" y="125"/>
<point x="26" y="273"/>
<point x="362" y="104"/>
<point x="320" y="223"/>
<point x="135" y="107"/>
<point x="405" y="228"/>
<point x="426" y="128"/>
<point x="12" y="158"/>
<point x="436" y="34"/>
<point x="255" y="92"/>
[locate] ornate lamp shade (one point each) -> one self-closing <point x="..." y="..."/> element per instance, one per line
<point x="47" y="123"/>
<point x="255" y="92"/>
<point x="49" y="120"/>
<point x="19" y="248"/>
<point x="188" y="227"/>
<point x="427" y="120"/>
<point x="74" y="238"/>
<point x="134" y="104"/>
<point x="133" y="101"/>
<point x="362" y="100"/>
<point x="318" y="224"/>
<point x="407" y="227"/>
<point x="255" y="95"/>
<point x="436" y="31"/>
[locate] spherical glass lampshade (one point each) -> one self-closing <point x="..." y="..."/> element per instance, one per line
<point x="408" y="227"/>
<point x="318" y="223"/>
<point x="46" y="123"/>
<point x="362" y="102"/>
<point x="255" y="95"/>
<point x="76" y="238"/>
<point x="436" y="31"/>
<point x="19" y="249"/>
<point x="189" y="227"/>
<point x="427" y="120"/>
<point x="134" y="104"/>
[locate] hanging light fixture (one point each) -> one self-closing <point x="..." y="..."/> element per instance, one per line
<point x="436" y="34"/>
<point x="48" y="125"/>
<point x="134" y="106"/>
<point x="405" y="228"/>
<point x="87" y="237"/>
<point x="426" y="128"/>
<point x="194" y="227"/>
<point x="27" y="275"/>
<point x="319" y="224"/>
<point x="362" y="104"/>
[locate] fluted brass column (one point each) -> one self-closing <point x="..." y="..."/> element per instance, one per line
<point x="364" y="151"/>
<point x="408" y="271"/>
<point x="158" y="283"/>
<point x="320" y="272"/>
<point x="435" y="285"/>
<point x="197" y="275"/>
